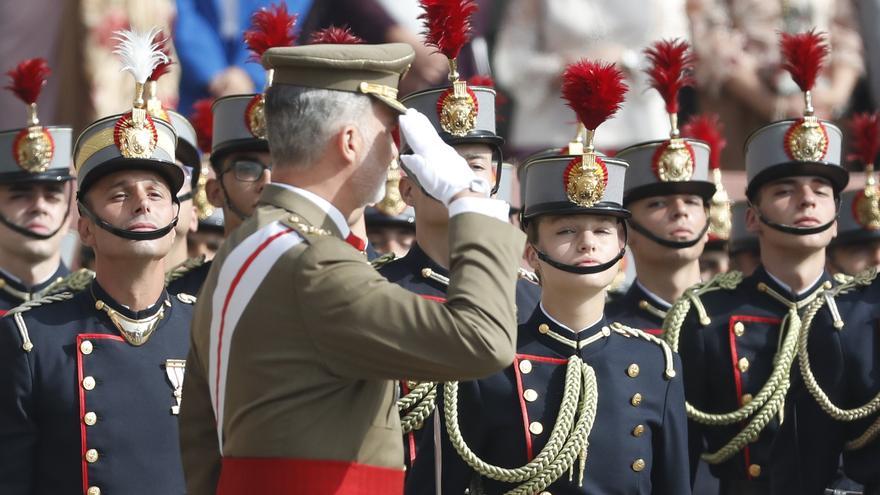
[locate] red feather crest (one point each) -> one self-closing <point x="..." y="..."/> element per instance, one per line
<point x="803" y="56"/>
<point x="164" y="47"/>
<point x="334" y="35"/>
<point x="865" y="129"/>
<point x="28" y="78"/>
<point x="447" y="24"/>
<point x="481" y="80"/>
<point x="594" y="91"/>
<point x="202" y="120"/>
<point x="671" y="69"/>
<point x="708" y="128"/>
<point x="270" y="28"/>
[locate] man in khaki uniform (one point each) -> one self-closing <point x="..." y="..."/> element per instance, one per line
<point x="297" y="341"/>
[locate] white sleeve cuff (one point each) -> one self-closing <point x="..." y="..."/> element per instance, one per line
<point x="494" y="208"/>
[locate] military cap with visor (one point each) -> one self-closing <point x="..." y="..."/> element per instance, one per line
<point x="34" y="153"/>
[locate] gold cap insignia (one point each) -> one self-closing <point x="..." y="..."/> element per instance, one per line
<point x="674" y="161"/>
<point x="806" y="140"/>
<point x="457" y="108"/>
<point x="585" y="179"/>
<point x="33" y="149"/>
<point x="135" y="134"/>
<point x="255" y="116"/>
<point x="866" y="209"/>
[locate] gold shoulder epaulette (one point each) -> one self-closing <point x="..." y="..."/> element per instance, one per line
<point x="626" y="331"/>
<point x="849" y="283"/>
<point x="73" y="282"/>
<point x="182" y="269"/>
<point x="383" y="260"/>
<point x="691" y="298"/>
<point x="16" y="314"/>
<point x="298" y="224"/>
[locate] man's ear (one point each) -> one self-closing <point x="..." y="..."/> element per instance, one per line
<point x="408" y="190"/>
<point x="531" y="256"/>
<point x="84" y="229"/>
<point x="348" y="143"/>
<point x="193" y="219"/>
<point x="214" y="193"/>
<point x="752" y="221"/>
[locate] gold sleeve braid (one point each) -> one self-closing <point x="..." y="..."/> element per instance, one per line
<point x="568" y="441"/>
<point x="770" y="399"/>
<point x="825" y="402"/>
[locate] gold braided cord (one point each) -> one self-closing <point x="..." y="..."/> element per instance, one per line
<point x="568" y="441"/>
<point x="865" y="438"/>
<point x="628" y="332"/>
<point x="417" y="405"/>
<point x="871" y="407"/>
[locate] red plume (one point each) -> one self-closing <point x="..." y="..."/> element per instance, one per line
<point x="164" y="47"/>
<point x="804" y="55"/>
<point x="447" y="24"/>
<point x="708" y="128"/>
<point x="270" y="27"/>
<point x="593" y="90"/>
<point x="480" y="80"/>
<point x="335" y="36"/>
<point x="203" y="121"/>
<point x="671" y="67"/>
<point x="865" y="129"/>
<point x="28" y="78"/>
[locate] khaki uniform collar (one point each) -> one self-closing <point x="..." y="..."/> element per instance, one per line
<point x="288" y="199"/>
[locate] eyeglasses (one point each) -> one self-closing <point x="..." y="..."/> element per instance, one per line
<point x="248" y="170"/>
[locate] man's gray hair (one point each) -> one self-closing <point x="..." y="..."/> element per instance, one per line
<point x="300" y="121"/>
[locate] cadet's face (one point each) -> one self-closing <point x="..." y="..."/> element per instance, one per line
<point x="712" y="263"/>
<point x="38" y="207"/>
<point x="799" y="202"/>
<point x="481" y="160"/>
<point x="856" y="257"/>
<point x="395" y="240"/>
<point x="377" y="128"/>
<point x="677" y="217"/>
<point x="745" y="262"/>
<point x="244" y="176"/>
<point x="581" y="240"/>
<point x="132" y="200"/>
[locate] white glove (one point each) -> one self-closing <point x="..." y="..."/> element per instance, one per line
<point x="435" y="165"/>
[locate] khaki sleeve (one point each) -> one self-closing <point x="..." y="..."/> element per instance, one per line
<point x="366" y="327"/>
<point x="198" y="435"/>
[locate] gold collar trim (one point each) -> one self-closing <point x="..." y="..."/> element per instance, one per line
<point x="135" y="331"/>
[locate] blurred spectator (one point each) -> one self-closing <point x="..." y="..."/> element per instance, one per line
<point x="537" y="39"/>
<point x="869" y="18"/>
<point x="372" y="22"/>
<point x="739" y="72"/>
<point x="213" y="56"/>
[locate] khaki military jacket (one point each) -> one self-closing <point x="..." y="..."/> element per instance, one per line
<point x="297" y="341"/>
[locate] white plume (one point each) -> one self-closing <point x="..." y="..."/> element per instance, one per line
<point x="139" y="52"/>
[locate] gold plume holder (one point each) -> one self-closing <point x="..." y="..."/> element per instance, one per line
<point x="867" y="207"/>
<point x="585" y="183"/>
<point x="392" y="203"/>
<point x="806" y="140"/>
<point x="576" y="145"/>
<point x="154" y="104"/>
<point x="675" y="162"/>
<point x="719" y="209"/>
<point x="204" y="209"/>
<point x="458" y="111"/>
<point x="34" y="147"/>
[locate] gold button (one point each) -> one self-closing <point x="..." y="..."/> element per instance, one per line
<point x="91" y="456"/>
<point x="746" y="398"/>
<point x="636" y="399"/>
<point x="743" y="365"/>
<point x="525" y="366"/>
<point x="754" y="470"/>
<point x="739" y="329"/>
<point x="545" y="493"/>
<point x="93" y="490"/>
<point x="536" y="428"/>
<point x="90" y="418"/>
<point x="2" y="283"/>
<point x="827" y="284"/>
<point x="543" y="328"/>
<point x="638" y="430"/>
<point x="643" y="304"/>
<point x="638" y="465"/>
<point x="88" y="383"/>
<point x="633" y="370"/>
<point x="86" y="347"/>
<point x="530" y="395"/>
